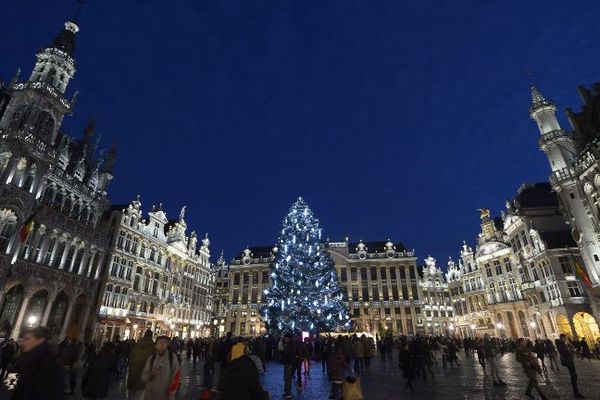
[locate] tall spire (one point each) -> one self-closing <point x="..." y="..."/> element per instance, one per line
<point x="537" y="99"/>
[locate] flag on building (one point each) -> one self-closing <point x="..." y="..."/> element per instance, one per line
<point x="28" y="226"/>
<point x="582" y="275"/>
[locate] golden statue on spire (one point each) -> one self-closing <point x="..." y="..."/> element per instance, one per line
<point x="484" y="213"/>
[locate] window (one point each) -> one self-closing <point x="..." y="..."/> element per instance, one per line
<point x="507" y="265"/>
<point x="572" y="195"/>
<point x="565" y="265"/>
<point x="365" y="293"/>
<point x="574" y="289"/>
<point x="344" y="278"/>
<point x="383" y="273"/>
<point x="498" y="267"/>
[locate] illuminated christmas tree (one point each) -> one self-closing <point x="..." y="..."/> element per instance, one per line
<point x="305" y="294"/>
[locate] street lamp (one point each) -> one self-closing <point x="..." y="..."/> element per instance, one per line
<point x="533" y="325"/>
<point x="473" y="330"/>
<point x="32" y="320"/>
<point x="135" y="326"/>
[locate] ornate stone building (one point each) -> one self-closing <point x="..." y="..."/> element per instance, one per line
<point x="521" y="280"/>
<point x="573" y="158"/>
<point x="558" y="301"/>
<point x="379" y="282"/>
<point x="56" y="185"/>
<point x="437" y="311"/>
<point x="249" y="276"/>
<point x="156" y="277"/>
<point x="221" y="297"/>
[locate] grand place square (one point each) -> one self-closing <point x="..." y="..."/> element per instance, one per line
<point x="283" y="200"/>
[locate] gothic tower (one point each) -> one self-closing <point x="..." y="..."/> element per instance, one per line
<point x="561" y="152"/>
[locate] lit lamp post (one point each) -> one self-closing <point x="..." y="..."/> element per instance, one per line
<point x="31" y="320"/>
<point x="451" y="328"/>
<point x="500" y="327"/>
<point x="533" y="325"/>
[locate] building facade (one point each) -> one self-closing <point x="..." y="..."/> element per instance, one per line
<point x="573" y="158"/>
<point x="52" y="197"/>
<point x="521" y="279"/>
<point x="156" y="277"/>
<point x="379" y="282"/>
<point x="437" y="310"/>
<point x="558" y="301"/>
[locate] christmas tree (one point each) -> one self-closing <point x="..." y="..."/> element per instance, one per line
<point x="305" y="294"/>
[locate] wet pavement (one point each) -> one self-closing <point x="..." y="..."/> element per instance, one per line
<point x="385" y="382"/>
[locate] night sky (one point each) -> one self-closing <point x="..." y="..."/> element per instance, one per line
<point x="392" y="119"/>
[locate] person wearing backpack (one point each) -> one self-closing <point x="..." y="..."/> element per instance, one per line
<point x="161" y="372"/>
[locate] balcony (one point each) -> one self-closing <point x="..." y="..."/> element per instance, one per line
<point x="551" y="137"/>
<point x="560" y="176"/>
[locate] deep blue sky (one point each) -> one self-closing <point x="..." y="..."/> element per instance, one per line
<point x="393" y="119"/>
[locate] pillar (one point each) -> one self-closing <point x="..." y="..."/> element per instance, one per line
<point x="90" y="266"/>
<point x="84" y="262"/>
<point x="51" y="299"/>
<point x="64" y="255"/>
<point x="17" y="327"/>
<point x="74" y="259"/>
<point x="81" y="333"/>
<point x="63" y="331"/>
<point x="99" y="266"/>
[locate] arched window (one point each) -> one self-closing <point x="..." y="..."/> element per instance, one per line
<point x="8" y="226"/>
<point x="44" y="125"/>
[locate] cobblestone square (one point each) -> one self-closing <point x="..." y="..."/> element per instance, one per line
<point x="385" y="382"/>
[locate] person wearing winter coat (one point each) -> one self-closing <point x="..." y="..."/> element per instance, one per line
<point x="240" y="381"/>
<point x="407" y="363"/>
<point x="41" y="376"/>
<point x="68" y="354"/>
<point x="358" y="355"/>
<point x="368" y="350"/>
<point x="140" y="353"/>
<point x="530" y="366"/>
<point x="161" y="372"/>
<point x="96" y="378"/>
<point x="337" y="367"/>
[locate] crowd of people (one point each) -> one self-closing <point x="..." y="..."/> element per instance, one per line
<point x="33" y="368"/>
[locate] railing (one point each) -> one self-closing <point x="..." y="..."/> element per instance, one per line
<point x="560" y="176"/>
<point x="551" y="137"/>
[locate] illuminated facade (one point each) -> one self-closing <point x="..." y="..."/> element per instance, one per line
<point x="156" y="277"/>
<point x="437" y="310"/>
<point x="58" y="183"/>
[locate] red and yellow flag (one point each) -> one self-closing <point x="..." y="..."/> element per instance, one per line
<point x="26" y="229"/>
<point x="582" y="275"/>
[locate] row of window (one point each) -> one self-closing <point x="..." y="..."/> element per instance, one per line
<point x="383" y="273"/>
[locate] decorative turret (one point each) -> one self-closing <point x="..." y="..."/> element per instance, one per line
<point x="557" y="145"/>
<point x="55" y="65"/>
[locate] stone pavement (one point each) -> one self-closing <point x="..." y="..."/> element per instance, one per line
<point x="385" y="382"/>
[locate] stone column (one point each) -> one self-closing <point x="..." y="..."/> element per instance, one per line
<point x="63" y="259"/>
<point x="43" y="248"/>
<point x="51" y="300"/>
<point x="54" y="250"/>
<point x="17" y="327"/>
<point x="84" y="262"/>
<point x="63" y="331"/>
<point x="99" y="266"/>
<point x="91" y="261"/>
<point x="74" y="259"/>
<point x="86" y="314"/>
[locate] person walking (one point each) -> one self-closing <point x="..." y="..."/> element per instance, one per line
<point x="567" y="359"/>
<point x="540" y="351"/>
<point x="530" y="366"/>
<point x="407" y="363"/>
<point x="368" y="350"/>
<point x="288" y="358"/>
<point x="490" y="352"/>
<point x="358" y="355"/>
<point x="241" y="381"/>
<point x="68" y="354"/>
<point x="96" y="378"/>
<point x="41" y="376"/>
<point x="161" y="372"/>
<point x="140" y="353"/>
<point x="550" y="351"/>
<point x="337" y="365"/>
